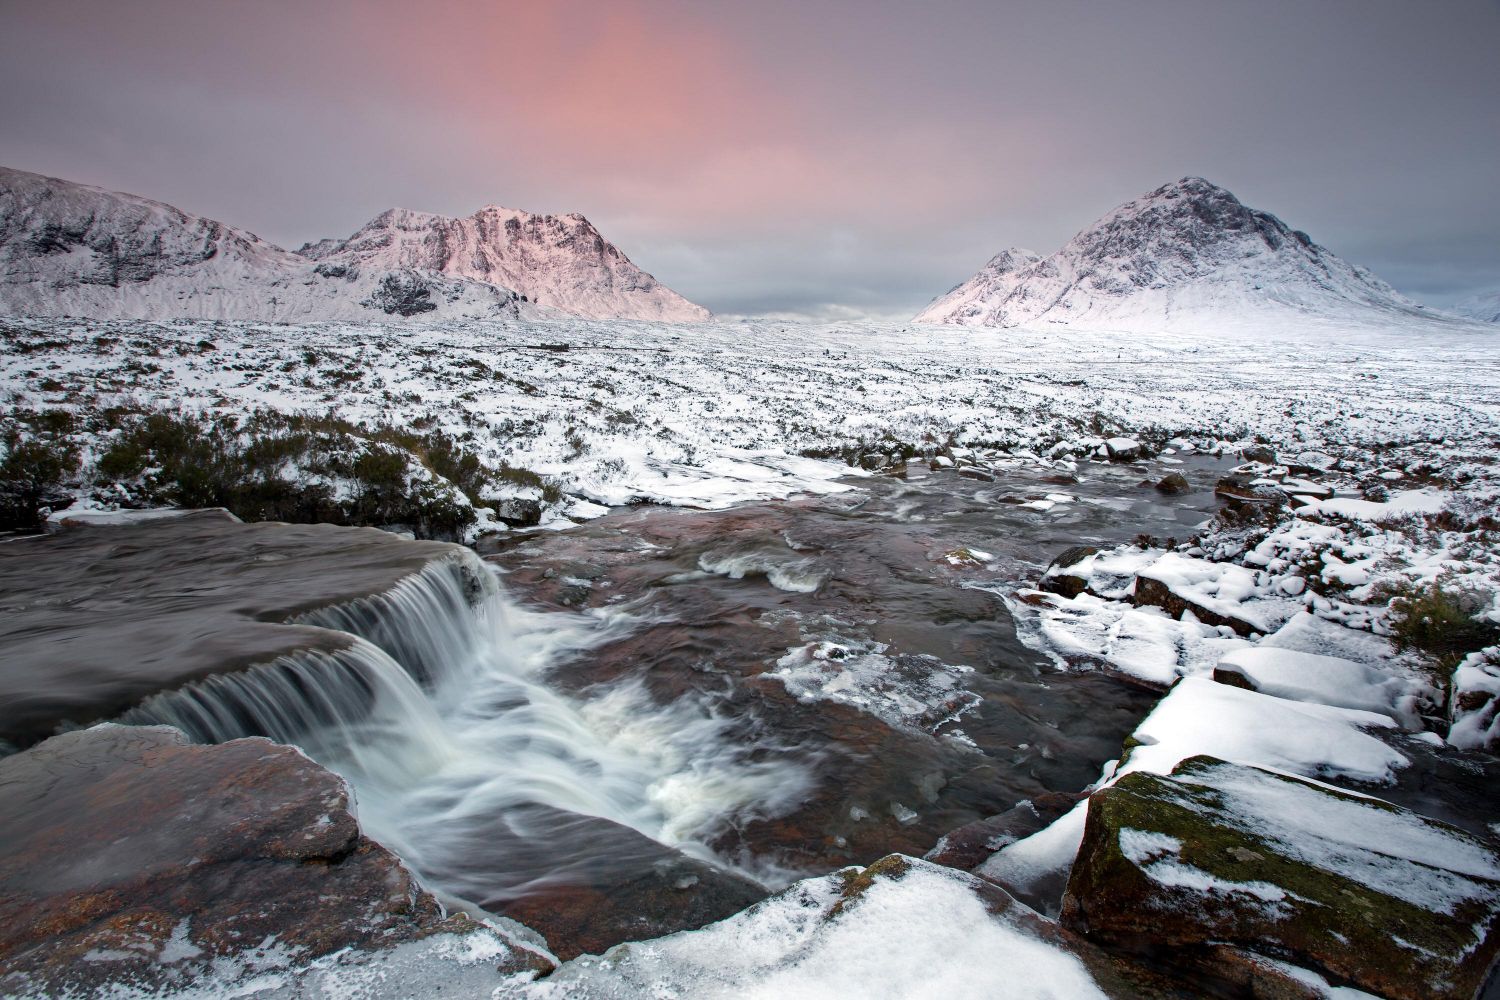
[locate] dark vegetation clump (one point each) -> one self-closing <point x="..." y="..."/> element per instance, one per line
<point x="35" y="470"/>
<point x="1441" y="622"/>
<point x="265" y="467"/>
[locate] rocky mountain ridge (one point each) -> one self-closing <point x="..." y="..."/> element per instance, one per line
<point x="72" y="249"/>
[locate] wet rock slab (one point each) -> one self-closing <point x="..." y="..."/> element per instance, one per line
<point x="94" y="619"/>
<point x="621" y="886"/>
<point x="1222" y="854"/>
<point x="128" y="854"/>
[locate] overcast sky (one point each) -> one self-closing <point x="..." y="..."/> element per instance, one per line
<point x="807" y="156"/>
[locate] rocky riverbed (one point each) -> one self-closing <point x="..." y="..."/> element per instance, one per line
<point x="662" y="718"/>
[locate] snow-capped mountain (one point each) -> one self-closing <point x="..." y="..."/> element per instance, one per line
<point x="560" y="261"/>
<point x="972" y="297"/>
<point x="1484" y="307"/>
<point x="1188" y="255"/>
<point x="73" y="249"/>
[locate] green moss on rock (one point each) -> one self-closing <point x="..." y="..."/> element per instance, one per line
<point x="1213" y="854"/>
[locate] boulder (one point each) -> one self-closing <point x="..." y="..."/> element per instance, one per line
<point x="900" y="928"/>
<point x="1258" y="453"/>
<point x="1056" y="579"/>
<point x="1150" y="592"/>
<point x="127" y="853"/>
<point x="1123" y="449"/>
<point x="519" y="512"/>
<point x="1323" y="680"/>
<point x="972" y="844"/>
<point x="1474" y="710"/>
<point x="1223" y="854"/>
<point x="1248" y="489"/>
<point x="1173" y="484"/>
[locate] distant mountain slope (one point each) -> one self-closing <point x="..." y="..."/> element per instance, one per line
<point x="1187" y="255"/>
<point x="973" y="298"/>
<point x="561" y="261"/>
<point x="1485" y="307"/>
<point x="73" y="249"/>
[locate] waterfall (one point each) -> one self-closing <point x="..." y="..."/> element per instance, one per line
<point x="438" y="711"/>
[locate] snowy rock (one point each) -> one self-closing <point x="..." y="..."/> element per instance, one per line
<point x="897" y="929"/>
<point x="1249" y="489"/>
<point x="1476" y="702"/>
<point x="1214" y="593"/>
<point x="1057" y="579"/>
<point x="1123" y="449"/>
<point x="1187" y="256"/>
<point x="972" y="844"/>
<point x="1143" y="644"/>
<point x="1305" y="488"/>
<point x="1325" y="680"/>
<point x="1200" y="717"/>
<point x="519" y="512"/>
<point x="1392" y="902"/>
<point x="1425" y="501"/>
<point x="128" y="853"/>
<point x="1307" y="633"/>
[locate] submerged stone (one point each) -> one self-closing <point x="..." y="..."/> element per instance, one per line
<point x="1174" y="483"/>
<point x="594" y="883"/>
<point x="1223" y="854"/>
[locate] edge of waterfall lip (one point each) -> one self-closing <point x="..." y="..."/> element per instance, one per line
<point x="194" y="620"/>
<point x="326" y="639"/>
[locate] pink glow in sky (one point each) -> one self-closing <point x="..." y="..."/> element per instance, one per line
<point x="811" y="157"/>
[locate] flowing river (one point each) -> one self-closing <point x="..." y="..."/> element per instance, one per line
<point x="681" y="711"/>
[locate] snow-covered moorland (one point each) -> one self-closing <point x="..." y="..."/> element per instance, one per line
<point x="724" y="412"/>
<point x="1367" y="480"/>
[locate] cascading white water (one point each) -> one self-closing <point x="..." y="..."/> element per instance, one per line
<point x="439" y="714"/>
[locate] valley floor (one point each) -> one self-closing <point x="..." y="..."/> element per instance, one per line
<point x="1348" y="602"/>
<point x="724" y="412"/>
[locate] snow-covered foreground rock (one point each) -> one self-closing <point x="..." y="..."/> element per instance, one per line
<point x="1220" y="854"/>
<point x="890" y="932"/>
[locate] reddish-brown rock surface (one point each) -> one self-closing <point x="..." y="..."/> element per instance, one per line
<point x="127" y="853"/>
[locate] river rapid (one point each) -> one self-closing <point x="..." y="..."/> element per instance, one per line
<point x="684" y="710"/>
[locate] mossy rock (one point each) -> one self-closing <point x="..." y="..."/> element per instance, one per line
<point x="1219" y="853"/>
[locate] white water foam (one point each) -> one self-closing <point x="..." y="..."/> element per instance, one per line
<point x="464" y="737"/>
